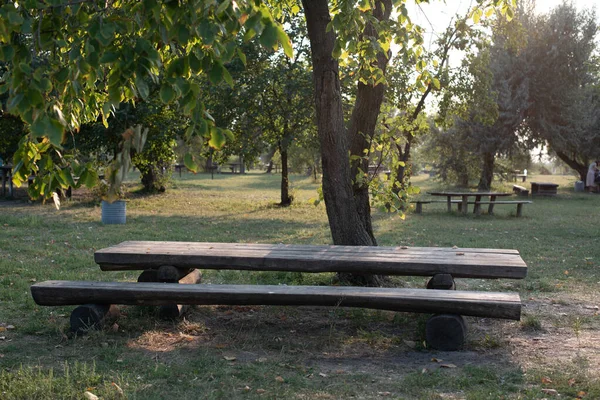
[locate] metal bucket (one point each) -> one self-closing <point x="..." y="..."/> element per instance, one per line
<point x="114" y="213"/>
<point x="579" y="186"/>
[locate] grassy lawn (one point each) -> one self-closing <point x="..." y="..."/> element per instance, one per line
<point x="299" y="352"/>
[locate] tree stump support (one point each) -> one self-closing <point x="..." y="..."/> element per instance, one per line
<point x="441" y="282"/>
<point x="171" y="274"/>
<point x="92" y="316"/>
<point x="446" y="332"/>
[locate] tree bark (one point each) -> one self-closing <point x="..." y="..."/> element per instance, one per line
<point x="347" y="225"/>
<point x="487" y="171"/>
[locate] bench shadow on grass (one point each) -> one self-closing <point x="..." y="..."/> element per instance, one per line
<point x="340" y="344"/>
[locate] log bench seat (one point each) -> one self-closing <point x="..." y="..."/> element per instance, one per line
<point x="419" y="204"/>
<point x="170" y="261"/>
<point x="491" y="204"/>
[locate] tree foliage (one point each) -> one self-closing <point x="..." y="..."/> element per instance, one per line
<point x="564" y="89"/>
<point x="70" y="63"/>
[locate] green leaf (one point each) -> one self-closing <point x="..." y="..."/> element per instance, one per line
<point x="15" y="19"/>
<point x="195" y="63"/>
<point x="285" y="41"/>
<point x="55" y="132"/>
<point x="242" y="56"/>
<point x="205" y="30"/>
<point x="217" y="138"/>
<point x="34" y="97"/>
<point x="189" y="163"/>
<point x="222" y="7"/>
<point x="167" y="94"/>
<point x="6" y="53"/>
<point x="364" y="5"/>
<point x="88" y="177"/>
<point x="216" y="73"/>
<point x="269" y="36"/>
<point x="61" y="75"/>
<point x="142" y="87"/>
<point x="109" y="57"/>
<point x="45" y="85"/>
<point x="227" y="77"/>
<point x="436" y="83"/>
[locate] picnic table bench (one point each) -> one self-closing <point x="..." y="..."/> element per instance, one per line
<point x="178" y="260"/>
<point x="477" y="202"/>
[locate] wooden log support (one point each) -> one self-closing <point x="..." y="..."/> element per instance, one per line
<point x="92" y="316"/>
<point x="171" y="274"/>
<point x="478" y="304"/>
<point x="149" y="275"/>
<point x="174" y="311"/>
<point x="441" y="282"/>
<point x="446" y="332"/>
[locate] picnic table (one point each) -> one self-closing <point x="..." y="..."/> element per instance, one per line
<point x="6" y="178"/>
<point x="544" y="189"/>
<point x="463" y="204"/>
<point x="166" y="265"/>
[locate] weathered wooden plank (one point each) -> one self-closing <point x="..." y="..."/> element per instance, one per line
<point x="295" y="247"/>
<point x="467" y="263"/>
<point x="480" y="304"/>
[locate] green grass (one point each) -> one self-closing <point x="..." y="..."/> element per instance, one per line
<point x="298" y="352"/>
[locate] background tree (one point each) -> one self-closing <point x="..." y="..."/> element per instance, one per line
<point x="564" y="81"/>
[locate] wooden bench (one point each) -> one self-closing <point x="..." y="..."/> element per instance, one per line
<point x="491" y="204"/>
<point x="520" y="191"/>
<point x="445" y="330"/>
<point x="419" y="204"/>
<point x="544" y="189"/>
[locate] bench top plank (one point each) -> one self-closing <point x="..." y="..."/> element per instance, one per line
<point x="479" y="304"/>
<point x="505" y="202"/>
<point x="413" y="261"/>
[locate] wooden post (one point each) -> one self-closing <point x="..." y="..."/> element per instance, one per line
<point x="419" y="209"/>
<point x="446" y="332"/>
<point x="491" y="206"/>
<point x="92" y="316"/>
<point x="465" y="204"/>
<point x="519" y="209"/>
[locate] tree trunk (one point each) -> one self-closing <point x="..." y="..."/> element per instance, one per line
<point x="286" y="199"/>
<point x="403" y="155"/>
<point x="242" y="165"/>
<point x="487" y="171"/>
<point x="347" y="205"/>
<point x="346" y="225"/>
<point x="573" y="163"/>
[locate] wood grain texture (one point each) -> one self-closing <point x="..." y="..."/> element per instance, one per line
<point x="479" y="304"/>
<point x="413" y="261"/>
